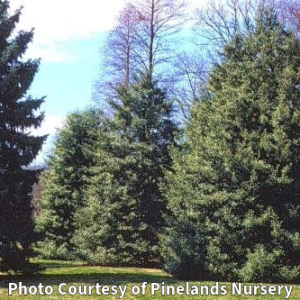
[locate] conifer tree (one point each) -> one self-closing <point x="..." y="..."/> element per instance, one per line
<point x="123" y="217"/>
<point x="64" y="183"/>
<point x="234" y="196"/>
<point x="18" y="146"/>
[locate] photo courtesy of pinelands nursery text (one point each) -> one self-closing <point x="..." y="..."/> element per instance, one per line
<point x="154" y="289"/>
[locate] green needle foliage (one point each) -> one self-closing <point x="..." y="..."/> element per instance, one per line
<point x="123" y="216"/>
<point x="234" y="195"/>
<point x="18" y="146"/>
<point x="64" y="183"/>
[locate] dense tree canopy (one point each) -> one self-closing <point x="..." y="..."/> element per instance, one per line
<point x="18" y="145"/>
<point x="64" y="183"/>
<point x="225" y="204"/>
<point x="234" y="196"/>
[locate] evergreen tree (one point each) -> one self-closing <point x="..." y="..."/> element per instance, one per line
<point x="64" y="183"/>
<point x="234" y="195"/>
<point x="121" y="222"/>
<point x="18" y="146"/>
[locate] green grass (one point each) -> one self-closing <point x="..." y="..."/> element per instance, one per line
<point x="76" y="274"/>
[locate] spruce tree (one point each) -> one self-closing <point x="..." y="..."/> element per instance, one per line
<point x="64" y="183"/>
<point x="18" y="146"/>
<point x="123" y="217"/>
<point x="234" y="195"/>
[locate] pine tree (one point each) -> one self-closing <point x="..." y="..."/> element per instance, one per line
<point x="121" y="222"/>
<point x="64" y="183"/>
<point x="237" y="186"/>
<point x="18" y="146"/>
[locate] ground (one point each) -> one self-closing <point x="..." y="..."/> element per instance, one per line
<point x="76" y="274"/>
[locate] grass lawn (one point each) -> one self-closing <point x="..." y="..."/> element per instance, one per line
<point x="74" y="274"/>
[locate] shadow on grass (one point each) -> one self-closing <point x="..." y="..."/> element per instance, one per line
<point x="53" y="264"/>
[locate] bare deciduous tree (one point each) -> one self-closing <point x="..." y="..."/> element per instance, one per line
<point x="290" y="12"/>
<point x="190" y="78"/>
<point x="142" y="41"/>
<point x="119" y="50"/>
<point x="117" y="56"/>
<point x="221" y="20"/>
<point x="159" y="21"/>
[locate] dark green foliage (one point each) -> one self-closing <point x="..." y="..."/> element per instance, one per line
<point x="123" y="217"/>
<point x="18" y="147"/>
<point x="237" y="186"/>
<point x="107" y="227"/>
<point x="64" y="183"/>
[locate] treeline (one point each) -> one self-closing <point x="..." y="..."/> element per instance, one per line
<point x="191" y="159"/>
<point x="215" y="199"/>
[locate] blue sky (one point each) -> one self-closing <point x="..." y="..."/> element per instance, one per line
<point x="68" y="37"/>
<point x="68" y="84"/>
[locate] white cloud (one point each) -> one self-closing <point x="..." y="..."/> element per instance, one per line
<point x="57" y="21"/>
<point x="50" y="125"/>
